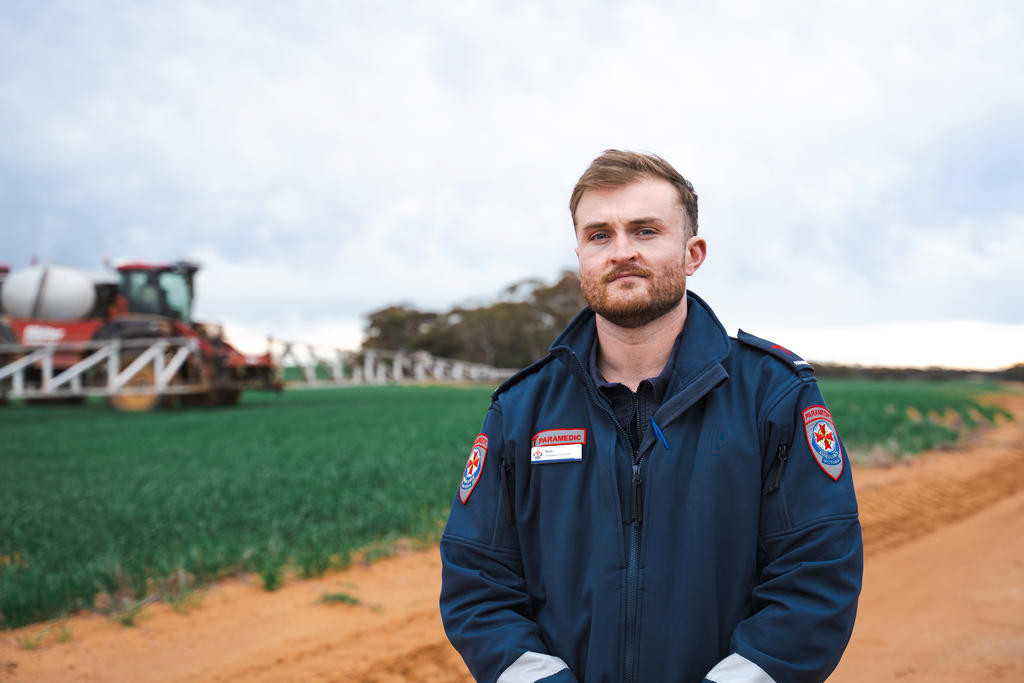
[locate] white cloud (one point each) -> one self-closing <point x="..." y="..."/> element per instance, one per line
<point x="325" y="159"/>
<point x="963" y="344"/>
<point x="324" y="336"/>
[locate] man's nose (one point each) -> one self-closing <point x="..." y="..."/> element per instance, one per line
<point x="623" y="249"/>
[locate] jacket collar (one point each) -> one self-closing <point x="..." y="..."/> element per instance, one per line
<point x="704" y="344"/>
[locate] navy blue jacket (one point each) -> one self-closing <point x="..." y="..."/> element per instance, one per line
<point x="730" y="534"/>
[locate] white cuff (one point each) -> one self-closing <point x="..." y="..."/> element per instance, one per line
<point x="531" y="667"/>
<point x="738" y="669"/>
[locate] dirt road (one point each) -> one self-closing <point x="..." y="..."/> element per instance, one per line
<point x="943" y="599"/>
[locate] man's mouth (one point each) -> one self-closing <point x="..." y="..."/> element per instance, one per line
<point x="623" y="274"/>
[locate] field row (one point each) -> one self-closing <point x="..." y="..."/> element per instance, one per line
<point x="103" y="502"/>
<point x="893" y="419"/>
<point x="115" y="507"/>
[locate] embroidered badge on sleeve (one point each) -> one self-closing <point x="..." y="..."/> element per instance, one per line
<point x="474" y="466"/>
<point x="823" y="440"/>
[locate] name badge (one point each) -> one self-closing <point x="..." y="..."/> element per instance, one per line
<point x="563" y="453"/>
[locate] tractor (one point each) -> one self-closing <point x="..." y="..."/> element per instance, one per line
<point x="96" y="326"/>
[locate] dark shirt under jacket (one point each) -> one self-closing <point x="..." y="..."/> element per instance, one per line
<point x="634" y="410"/>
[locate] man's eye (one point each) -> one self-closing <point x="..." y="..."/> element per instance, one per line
<point x="598" y="236"/>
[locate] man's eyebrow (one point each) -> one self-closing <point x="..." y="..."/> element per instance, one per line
<point x="645" y="220"/>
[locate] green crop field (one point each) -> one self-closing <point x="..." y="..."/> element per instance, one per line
<point x="899" y="418"/>
<point x="94" y="501"/>
<point x="98" y="505"/>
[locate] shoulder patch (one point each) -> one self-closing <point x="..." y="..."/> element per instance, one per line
<point x="823" y="440"/>
<point x="474" y="466"/>
<point x="795" y="362"/>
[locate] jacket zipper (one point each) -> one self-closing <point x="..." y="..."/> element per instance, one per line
<point x="633" y="573"/>
<point x="636" y="508"/>
<point x="782" y="454"/>
<point x="509" y="487"/>
<point x="636" y="505"/>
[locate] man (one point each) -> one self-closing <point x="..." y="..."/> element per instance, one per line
<point x="654" y="500"/>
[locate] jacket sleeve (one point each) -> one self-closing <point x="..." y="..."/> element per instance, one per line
<point x="485" y="606"/>
<point x="810" y="555"/>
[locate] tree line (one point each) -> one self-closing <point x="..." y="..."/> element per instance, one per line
<point x="519" y="326"/>
<point x="510" y="332"/>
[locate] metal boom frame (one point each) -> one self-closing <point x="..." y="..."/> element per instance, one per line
<point x="165" y="355"/>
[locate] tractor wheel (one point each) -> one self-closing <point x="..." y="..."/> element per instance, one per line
<point x="194" y="400"/>
<point x="137" y="403"/>
<point x="225" y="397"/>
<point x="6" y="337"/>
<point x="57" y="401"/>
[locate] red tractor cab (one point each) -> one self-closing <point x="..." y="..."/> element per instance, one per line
<point x="163" y="290"/>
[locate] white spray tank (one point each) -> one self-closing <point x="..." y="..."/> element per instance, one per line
<point x="49" y="293"/>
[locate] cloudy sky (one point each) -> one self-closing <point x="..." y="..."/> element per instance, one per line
<point x="860" y="166"/>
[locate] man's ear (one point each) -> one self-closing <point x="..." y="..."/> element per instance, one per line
<point x="696" y="252"/>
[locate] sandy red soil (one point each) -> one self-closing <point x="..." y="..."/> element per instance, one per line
<point x="943" y="599"/>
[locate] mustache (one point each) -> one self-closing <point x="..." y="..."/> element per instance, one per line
<point x="627" y="270"/>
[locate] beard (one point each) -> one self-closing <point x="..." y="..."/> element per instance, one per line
<point x="626" y="305"/>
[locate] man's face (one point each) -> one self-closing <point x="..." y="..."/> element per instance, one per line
<point x="634" y="257"/>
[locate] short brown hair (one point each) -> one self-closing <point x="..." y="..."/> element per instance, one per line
<point x="615" y="168"/>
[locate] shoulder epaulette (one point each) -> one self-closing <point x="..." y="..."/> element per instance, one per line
<point x="525" y="372"/>
<point x="795" y="362"/>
